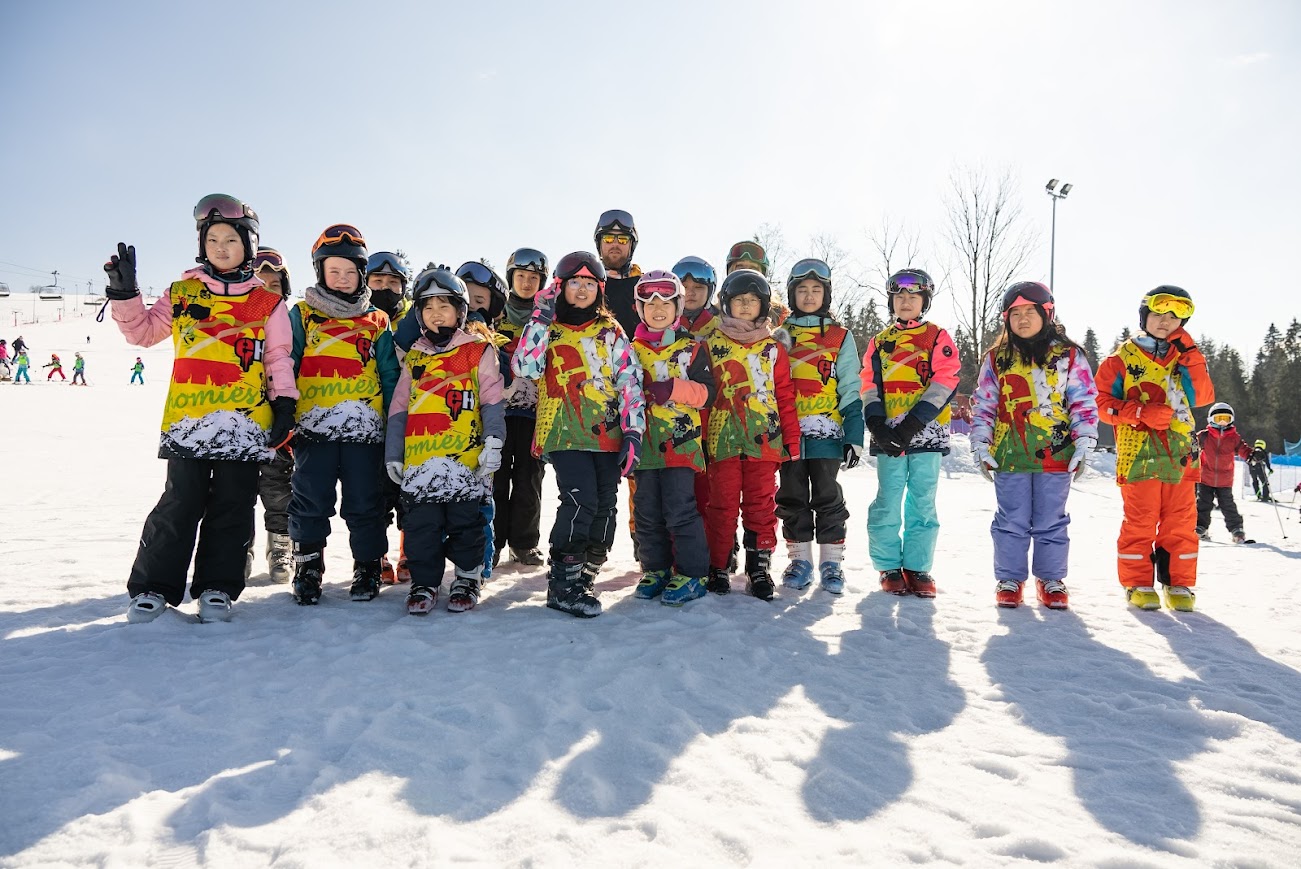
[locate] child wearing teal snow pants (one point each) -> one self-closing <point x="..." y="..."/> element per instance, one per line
<point x="905" y="502"/>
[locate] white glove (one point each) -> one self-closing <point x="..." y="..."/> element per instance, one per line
<point x="394" y="471"/>
<point x="1080" y="461"/>
<point x="984" y="461"/>
<point x="489" y="456"/>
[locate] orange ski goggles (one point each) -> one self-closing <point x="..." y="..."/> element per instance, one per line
<point x="1165" y="303"/>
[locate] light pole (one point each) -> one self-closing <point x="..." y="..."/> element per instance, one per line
<point x="1055" y="193"/>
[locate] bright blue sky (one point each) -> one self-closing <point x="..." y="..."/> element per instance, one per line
<point x="462" y="130"/>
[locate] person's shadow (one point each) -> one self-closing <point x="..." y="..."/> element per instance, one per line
<point x="1123" y="726"/>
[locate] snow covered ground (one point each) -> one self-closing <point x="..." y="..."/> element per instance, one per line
<point x="860" y="730"/>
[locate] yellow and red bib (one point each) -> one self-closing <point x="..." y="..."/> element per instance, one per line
<point x="744" y="420"/>
<point x="1154" y="455"/>
<point x="578" y="402"/>
<point x="1032" y="427"/>
<point x="673" y="434"/>
<point x="340" y="397"/>
<point x="813" y="355"/>
<point x="905" y="359"/>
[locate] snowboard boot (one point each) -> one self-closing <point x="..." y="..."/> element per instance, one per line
<point x="365" y="580"/>
<point x="421" y="599"/>
<point x="798" y="574"/>
<point x="1053" y="594"/>
<point x="1007" y="593"/>
<point x="280" y="557"/>
<point x="893" y="582"/>
<point x="1144" y="597"/>
<point x="682" y="589"/>
<point x="464" y="593"/>
<point x="829" y="569"/>
<point x="920" y="582"/>
<point x="720" y="581"/>
<point x="309" y="565"/>
<point x="214" y="606"/>
<point x="568" y="588"/>
<point x="145" y="607"/>
<point x="653" y="583"/>
<point x="1180" y="598"/>
<point x="528" y="557"/>
<point x="758" y="580"/>
<point x="386" y="572"/>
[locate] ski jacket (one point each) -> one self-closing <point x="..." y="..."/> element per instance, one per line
<point x="589" y="384"/>
<point x="21" y="360"/>
<point x="346" y="371"/>
<point x="1260" y="457"/>
<point x="446" y="403"/>
<point x="753" y="414"/>
<point x="1142" y="372"/>
<point x="826" y="371"/>
<point x="701" y="326"/>
<point x="619" y="298"/>
<point x="1029" y="415"/>
<point x="79" y="364"/>
<point x="674" y="435"/>
<point x="1218" y="450"/>
<point x="55" y="364"/>
<point x="912" y="368"/>
<point x="522" y="393"/>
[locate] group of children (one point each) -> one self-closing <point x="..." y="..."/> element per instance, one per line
<point x="438" y="400"/>
<point x="22" y="363"/>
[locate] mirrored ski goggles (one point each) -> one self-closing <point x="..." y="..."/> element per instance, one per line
<point x="697" y="269"/>
<point x="338" y="233"/>
<point x="385" y="263"/>
<point x="269" y="258"/>
<point x="666" y="290"/>
<point x="613" y="217"/>
<point x="747" y="250"/>
<point x="1027" y="293"/>
<point x="1164" y="303"/>
<point x="811" y="268"/>
<point x="478" y="273"/>
<point x="616" y="238"/>
<point x="908" y="284"/>
<point x="223" y="206"/>
<point x="529" y="259"/>
<point x="1222" y="418"/>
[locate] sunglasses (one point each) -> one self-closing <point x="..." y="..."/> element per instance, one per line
<point x="697" y="269"/>
<point x="1164" y="303"/>
<point x="478" y="273"/>
<point x="269" y="258"/>
<point x="908" y="284"/>
<point x="340" y="232"/>
<point x="747" y="250"/>
<point x="811" y="268"/>
<point x="666" y="290"/>
<point x="222" y="206"/>
<point x="616" y="238"/>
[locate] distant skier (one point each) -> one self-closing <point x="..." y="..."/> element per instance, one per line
<point x="1260" y="468"/>
<point x="138" y="370"/>
<point x="1219" y="444"/>
<point x="20" y="360"/>
<point x="55" y="366"/>
<point x="19" y="345"/>
<point x="79" y="370"/>
<point x="5" y="371"/>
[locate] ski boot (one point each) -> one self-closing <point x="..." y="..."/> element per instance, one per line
<point x="833" y="577"/>
<point x="798" y="574"/>
<point x="402" y="573"/>
<point x="464" y="593"/>
<point x="365" y="580"/>
<point x="528" y="557"/>
<point x="1053" y="594"/>
<point x="1007" y="593"/>
<point x="733" y="563"/>
<point x="720" y="581"/>
<point x="653" y="582"/>
<point x="421" y="599"/>
<point x="568" y="588"/>
<point x="309" y="565"/>
<point x="682" y="589"/>
<point x="214" y="606"/>
<point x="386" y="573"/>
<point x="1204" y="534"/>
<point x="145" y="607"/>
<point x="1144" y="597"/>
<point x="1180" y="598"/>
<point x="248" y="563"/>
<point x="920" y="582"/>
<point x="1239" y="537"/>
<point x="758" y="580"/>
<point x="280" y="557"/>
<point x="893" y="582"/>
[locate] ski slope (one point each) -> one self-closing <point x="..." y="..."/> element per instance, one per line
<point x="859" y="730"/>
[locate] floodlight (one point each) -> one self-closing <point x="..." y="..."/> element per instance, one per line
<point x="1052" y="183"/>
<point x="1066" y="188"/>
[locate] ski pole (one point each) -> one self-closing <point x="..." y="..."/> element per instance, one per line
<point x="1279" y="517"/>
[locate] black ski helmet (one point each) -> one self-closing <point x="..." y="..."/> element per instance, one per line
<point x="477" y="273"/>
<point x="744" y="281"/>
<point x="813" y="268"/>
<point x="1167" y="290"/>
<point x="526" y="259"/>
<point x="341" y="240"/>
<point x="386" y="262"/>
<point x="222" y="208"/>
<point x="616" y="220"/>
<point x="912" y="281"/>
<point x="438" y="280"/>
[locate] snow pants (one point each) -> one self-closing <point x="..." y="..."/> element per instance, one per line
<point x="487" y="511"/>
<point x="22" y="375"/>
<point x="517" y="488"/>
<point x="318" y="467"/>
<point x="274" y="488"/>
<point x="441" y="532"/>
<point x="670" y="532"/>
<point x="902" y="524"/>
<point x="136" y="375"/>
<point x="1157" y="515"/>
<point x="54" y="371"/>
<point x="213" y="499"/>
<point x="79" y="375"/>
<point x="1031" y="507"/>
<point x="588" y="484"/>
<point x="1206" y="498"/>
<point x="1259" y="481"/>
<point x="747" y="488"/>
<point x="809" y="495"/>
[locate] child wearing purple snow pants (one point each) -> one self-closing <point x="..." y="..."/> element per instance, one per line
<point x="1034" y="422"/>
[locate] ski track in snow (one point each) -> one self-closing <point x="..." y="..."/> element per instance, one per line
<point x="859" y="730"/>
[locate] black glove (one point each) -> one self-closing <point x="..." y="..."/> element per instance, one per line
<point x="629" y="452"/>
<point x="883" y="436"/>
<point x="907" y="429"/>
<point x="282" y="423"/>
<point x="853" y="454"/>
<point x="121" y="269"/>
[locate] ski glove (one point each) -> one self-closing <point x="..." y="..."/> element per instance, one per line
<point x="1181" y="340"/>
<point x="282" y="421"/>
<point x="489" y="456"/>
<point x="1083" y="447"/>
<point x="1151" y="414"/>
<point x="853" y="455"/>
<point x="544" y="303"/>
<point x="984" y="461"/>
<point x="907" y="429"/>
<point x="658" y="392"/>
<point x="394" y="471"/>
<point x="121" y="270"/>
<point x="883" y="436"/>
<point x="629" y="452"/>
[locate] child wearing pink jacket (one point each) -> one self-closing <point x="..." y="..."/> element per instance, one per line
<point x="230" y="404"/>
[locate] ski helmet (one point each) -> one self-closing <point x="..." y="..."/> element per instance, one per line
<point x="619" y="222"/>
<point x="1030" y="293"/>
<point x="816" y="269"/>
<point x="911" y="281"/>
<point x="221" y="208"/>
<point x="341" y="240"/>
<point x="385" y="262"/>
<point x="1220" y="409"/>
<point x="270" y="258"/>
<point x="1166" y="299"/>
<point x="744" y="281"/>
<point x="580" y="263"/>
<point x="1260" y="445"/>
<point x="698" y="270"/>
<point x="750" y="251"/>
<point x="477" y="273"/>
<point x="526" y="259"/>
<point x="438" y="280"/>
<point x="659" y="284"/>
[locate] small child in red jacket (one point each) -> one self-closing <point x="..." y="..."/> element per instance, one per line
<point x="1219" y="444"/>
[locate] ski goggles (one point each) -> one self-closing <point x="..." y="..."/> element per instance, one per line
<point x="529" y="259"/>
<point x="269" y="258"/>
<point x="908" y="283"/>
<point x="1027" y="293"/>
<point x="221" y="205"/>
<point x="614" y="217"/>
<point x="1222" y="419"/>
<point x="747" y="250"/>
<point x="665" y="290"/>
<point x="697" y="269"/>
<point x="810" y="268"/>
<point x="478" y="273"/>
<point x="1165" y="303"/>
<point x="339" y="233"/>
<point x="385" y="263"/>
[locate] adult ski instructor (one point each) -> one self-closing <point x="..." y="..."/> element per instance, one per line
<point x="616" y="241"/>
